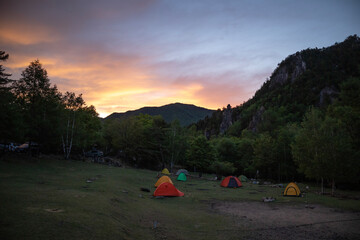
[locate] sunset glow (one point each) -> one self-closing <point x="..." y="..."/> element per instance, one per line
<point x="124" y="55"/>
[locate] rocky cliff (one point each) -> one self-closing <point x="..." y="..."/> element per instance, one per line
<point x="311" y="77"/>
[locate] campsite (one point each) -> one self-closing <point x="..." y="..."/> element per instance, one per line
<point x="180" y="120"/>
<point x="49" y="198"/>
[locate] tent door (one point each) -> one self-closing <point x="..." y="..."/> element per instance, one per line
<point x="232" y="183"/>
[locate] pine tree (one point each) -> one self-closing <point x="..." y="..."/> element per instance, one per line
<point x="10" y="111"/>
<point x="41" y="104"/>
<point x="3" y="76"/>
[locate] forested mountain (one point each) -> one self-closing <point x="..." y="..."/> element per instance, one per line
<point x="312" y="77"/>
<point x="185" y="113"/>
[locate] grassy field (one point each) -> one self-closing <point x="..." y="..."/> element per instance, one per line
<point x="49" y="198"/>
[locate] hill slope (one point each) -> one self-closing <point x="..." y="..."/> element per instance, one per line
<point x="312" y="77"/>
<point x="185" y="113"/>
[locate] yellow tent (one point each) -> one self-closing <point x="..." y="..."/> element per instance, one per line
<point x="292" y="190"/>
<point x="165" y="171"/>
<point x="162" y="180"/>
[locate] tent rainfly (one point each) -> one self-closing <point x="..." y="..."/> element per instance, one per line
<point x="162" y="180"/>
<point x="231" y="182"/>
<point x="182" y="171"/>
<point x="167" y="189"/>
<point x="243" y="178"/>
<point x="165" y="171"/>
<point x="292" y="190"/>
<point x="181" y="177"/>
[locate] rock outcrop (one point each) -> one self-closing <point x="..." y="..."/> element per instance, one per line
<point x="289" y="70"/>
<point x="256" y="119"/>
<point x="226" y="120"/>
<point x="327" y="95"/>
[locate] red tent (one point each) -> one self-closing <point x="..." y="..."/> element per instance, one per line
<point x="167" y="189"/>
<point x="231" y="182"/>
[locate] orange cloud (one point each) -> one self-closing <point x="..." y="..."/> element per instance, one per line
<point x="115" y="86"/>
<point x="27" y="34"/>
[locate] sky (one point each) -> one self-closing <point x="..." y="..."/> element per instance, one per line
<point x="124" y="55"/>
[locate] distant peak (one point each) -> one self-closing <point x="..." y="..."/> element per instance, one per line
<point x="185" y="113"/>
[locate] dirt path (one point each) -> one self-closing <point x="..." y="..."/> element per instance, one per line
<point x="259" y="220"/>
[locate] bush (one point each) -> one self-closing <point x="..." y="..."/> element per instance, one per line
<point x="222" y="168"/>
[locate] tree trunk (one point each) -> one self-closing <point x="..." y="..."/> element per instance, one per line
<point x="64" y="146"/>
<point x="333" y="187"/>
<point x="322" y="185"/>
<point x="171" y="166"/>
<point x="279" y="174"/>
<point x="72" y="136"/>
<point x="172" y="151"/>
<point x="66" y="141"/>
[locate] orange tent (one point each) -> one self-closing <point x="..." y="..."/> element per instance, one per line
<point x="167" y="189"/>
<point x="162" y="180"/>
<point x="292" y="190"/>
<point x="231" y="182"/>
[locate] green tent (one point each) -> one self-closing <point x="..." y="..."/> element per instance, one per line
<point x="181" y="177"/>
<point x="243" y="178"/>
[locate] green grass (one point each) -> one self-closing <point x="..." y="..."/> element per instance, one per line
<point x="50" y="199"/>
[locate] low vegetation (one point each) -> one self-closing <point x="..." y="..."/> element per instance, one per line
<point x="49" y="198"/>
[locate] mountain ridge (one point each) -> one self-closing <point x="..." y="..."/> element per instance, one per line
<point x="185" y="113"/>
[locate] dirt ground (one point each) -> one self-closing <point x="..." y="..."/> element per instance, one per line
<point x="258" y="220"/>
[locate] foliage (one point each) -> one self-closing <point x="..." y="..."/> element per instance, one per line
<point x="323" y="148"/>
<point x="41" y="104"/>
<point x="11" y="120"/>
<point x="80" y="124"/>
<point x="34" y="111"/>
<point x="285" y="136"/>
<point x="235" y="129"/>
<point x="4" y="80"/>
<point x="245" y="151"/>
<point x="141" y="140"/>
<point x="176" y="143"/>
<point x="226" y="149"/>
<point x="264" y="156"/>
<point x="222" y="168"/>
<point x="307" y="150"/>
<point x="88" y="132"/>
<point x="200" y="154"/>
<point x="10" y="117"/>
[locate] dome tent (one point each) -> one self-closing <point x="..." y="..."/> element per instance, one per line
<point x="243" y="178"/>
<point x="182" y="171"/>
<point x="292" y="190"/>
<point x="165" y="171"/>
<point x="181" y="177"/>
<point x="168" y="190"/>
<point x="231" y="182"/>
<point x="162" y="180"/>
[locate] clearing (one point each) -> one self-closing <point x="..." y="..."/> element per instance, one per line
<point x="50" y="198"/>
